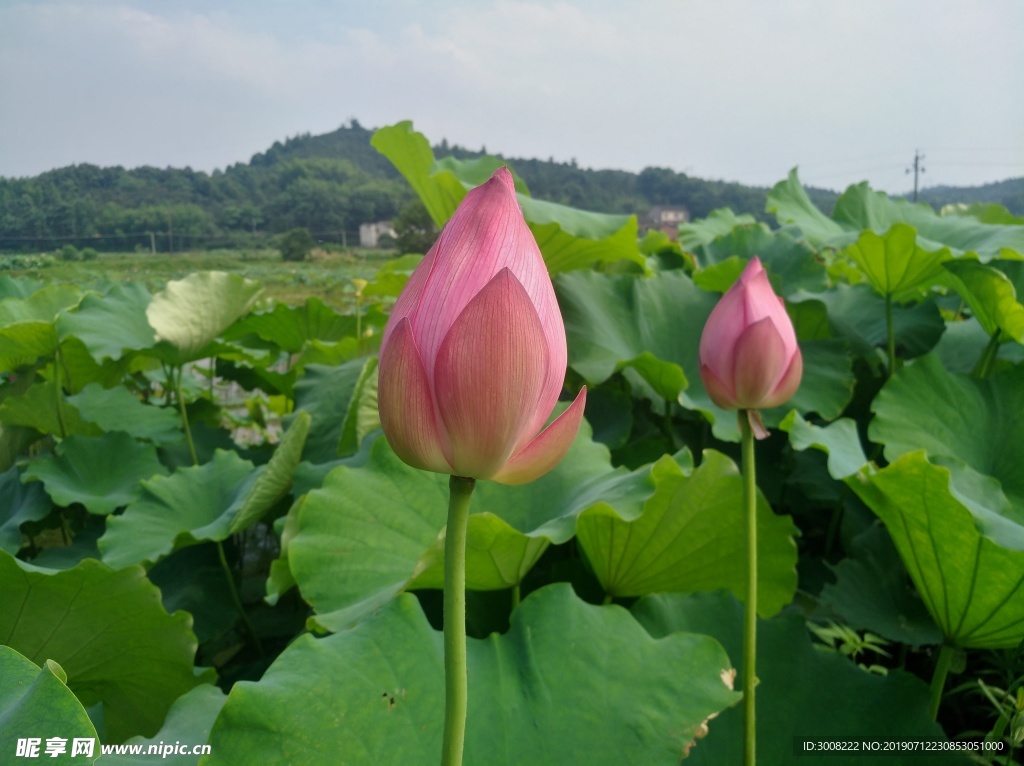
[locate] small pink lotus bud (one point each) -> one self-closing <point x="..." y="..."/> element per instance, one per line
<point x="749" y="357"/>
<point x="473" y="356"/>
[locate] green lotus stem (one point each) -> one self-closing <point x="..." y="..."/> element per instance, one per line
<point x="939" y="678"/>
<point x="58" y="395"/>
<point x="987" y="361"/>
<point x="456" y="691"/>
<point x="184" y="417"/>
<point x="516" y="595"/>
<point x="750" y="611"/>
<point x="359" y="321"/>
<point x="891" y="332"/>
<point x="237" y="598"/>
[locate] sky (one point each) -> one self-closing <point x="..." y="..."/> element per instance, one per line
<point x="736" y="90"/>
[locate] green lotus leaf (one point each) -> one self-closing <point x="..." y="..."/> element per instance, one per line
<point x="112" y="323"/>
<point x="100" y="472"/>
<point x="871" y="592"/>
<point x="839" y="439"/>
<point x="791" y="265"/>
<point x="924" y="407"/>
<point x="717" y="223"/>
<point x="188" y="314"/>
<point x="108" y="631"/>
<point x="275" y="479"/>
<point x="791" y="205"/>
<point x="22" y="502"/>
<point x="342" y="403"/>
<point x="569" y="683"/>
<point x="371" y="531"/>
<point x="189" y="720"/>
<point x="36" y="704"/>
<point x="568" y="238"/>
<point x="410" y="153"/>
<point x="691" y="536"/>
<point x="192" y="504"/>
<point x="118" y="409"/>
<point x="857" y="315"/>
<point x="991" y="295"/>
<point x="291" y="327"/>
<point x="28" y="326"/>
<point x="971" y="583"/>
<point x="895" y="265"/>
<point x="802" y="692"/>
<point x="19" y="287"/>
<point x="37" y="408"/>
<point x="612" y="321"/>
<point x="860" y="208"/>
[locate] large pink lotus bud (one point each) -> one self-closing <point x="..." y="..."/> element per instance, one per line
<point x="473" y="356"/>
<point x="749" y="357"/>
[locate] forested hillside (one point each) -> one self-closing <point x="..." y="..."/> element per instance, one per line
<point x="328" y="184"/>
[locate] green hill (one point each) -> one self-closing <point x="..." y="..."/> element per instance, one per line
<point x="329" y="184"/>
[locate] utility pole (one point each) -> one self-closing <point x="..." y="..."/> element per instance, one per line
<point x="918" y="168"/>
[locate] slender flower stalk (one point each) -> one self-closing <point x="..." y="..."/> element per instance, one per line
<point x="456" y="689"/>
<point x="890" y="329"/>
<point x="750" y="607"/>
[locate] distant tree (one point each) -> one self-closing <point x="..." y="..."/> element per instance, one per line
<point x="296" y="245"/>
<point x="414" y="229"/>
<point x="70" y="253"/>
<point x="89" y="254"/>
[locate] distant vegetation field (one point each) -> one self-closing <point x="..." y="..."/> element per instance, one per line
<point x="327" y="274"/>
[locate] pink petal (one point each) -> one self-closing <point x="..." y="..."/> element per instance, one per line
<point x="409" y="299"/>
<point x="760" y="359"/>
<point x="489" y="376"/>
<point x="788" y="384"/>
<point x="547" y="449"/>
<point x="723" y="327"/>
<point x="486" y="234"/>
<point x="405" y="404"/>
<point x="717" y="389"/>
<point x="760" y="301"/>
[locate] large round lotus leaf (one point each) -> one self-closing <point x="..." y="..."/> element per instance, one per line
<point x="791" y="265"/>
<point x="36" y="704"/>
<point x="28" y="327"/>
<point x="871" y="592"/>
<point x="188" y="722"/>
<point x="190" y="313"/>
<point x="894" y="264"/>
<point x="691" y="536"/>
<point x="924" y="407"/>
<point x="860" y="208"/>
<point x="569" y="683"/>
<point x="100" y="472"/>
<point x="967" y="562"/>
<point x="108" y="631"/>
<point x="192" y="504"/>
<point x="802" y="692"/>
<point x="118" y="409"/>
<point x="112" y="323"/>
<point x="291" y="327"/>
<point x="373" y="530"/>
<point x="991" y="295"/>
